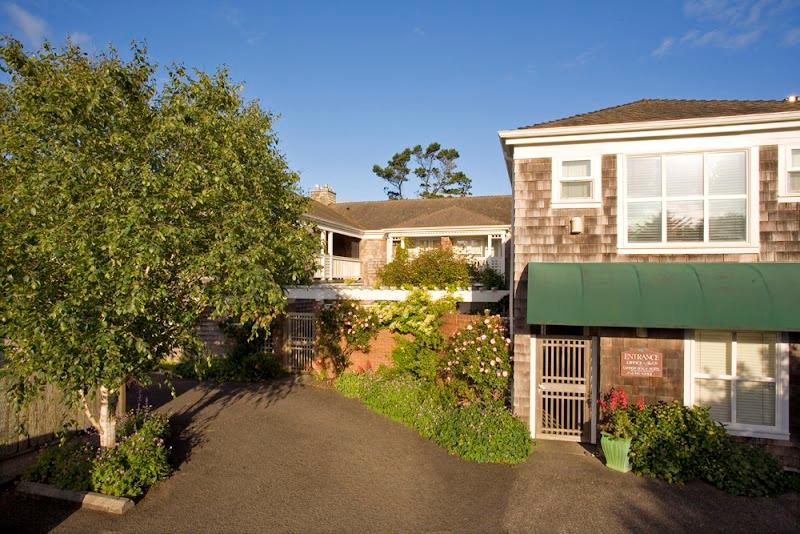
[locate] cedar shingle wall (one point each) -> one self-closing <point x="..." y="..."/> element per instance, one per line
<point x="372" y="253"/>
<point x="542" y="235"/>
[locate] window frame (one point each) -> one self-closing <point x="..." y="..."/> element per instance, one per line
<point x="749" y="246"/>
<point x="784" y="168"/>
<point x="780" y="430"/>
<point x="595" y="173"/>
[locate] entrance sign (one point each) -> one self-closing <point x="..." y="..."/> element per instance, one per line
<point x="641" y="363"/>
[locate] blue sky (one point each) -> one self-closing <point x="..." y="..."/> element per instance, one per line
<point x="356" y="82"/>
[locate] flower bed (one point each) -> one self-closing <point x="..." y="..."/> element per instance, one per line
<point x="475" y="432"/>
<point x="139" y="460"/>
<point x="679" y="443"/>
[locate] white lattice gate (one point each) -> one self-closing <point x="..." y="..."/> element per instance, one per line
<point x="301" y="340"/>
<point x="564" y="403"/>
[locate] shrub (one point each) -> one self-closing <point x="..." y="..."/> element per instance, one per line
<point x="137" y="462"/>
<point x="418" y="358"/>
<point x="742" y="469"/>
<point x="487" y="277"/>
<point x="418" y="315"/>
<point x="345" y="327"/>
<point x="432" y="269"/>
<point x="236" y="367"/>
<point x="476" y="433"/>
<point x="485" y="434"/>
<point x="477" y="366"/>
<point x="66" y="466"/>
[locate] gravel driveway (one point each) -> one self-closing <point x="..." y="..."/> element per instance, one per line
<point x="298" y="458"/>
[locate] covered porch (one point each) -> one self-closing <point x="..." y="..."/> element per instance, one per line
<point x="339" y="259"/>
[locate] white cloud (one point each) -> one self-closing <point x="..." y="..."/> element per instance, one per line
<point x="792" y="37"/>
<point x="666" y="45"/>
<point x="32" y="27"/>
<point x="80" y="38"/>
<point x="721" y="38"/>
<point x="584" y="58"/>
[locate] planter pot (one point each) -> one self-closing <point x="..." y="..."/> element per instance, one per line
<point x="616" y="452"/>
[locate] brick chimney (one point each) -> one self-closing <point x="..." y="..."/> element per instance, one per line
<point x="323" y="194"/>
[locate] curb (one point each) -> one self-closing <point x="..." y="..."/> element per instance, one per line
<point x="87" y="499"/>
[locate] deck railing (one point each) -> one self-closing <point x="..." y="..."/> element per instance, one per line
<point x="338" y="268"/>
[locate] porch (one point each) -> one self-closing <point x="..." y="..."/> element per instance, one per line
<point x="484" y="247"/>
<point x="339" y="259"/>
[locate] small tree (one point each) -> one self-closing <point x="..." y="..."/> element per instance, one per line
<point x="395" y="174"/>
<point x="125" y="212"/>
<point x="436" y="170"/>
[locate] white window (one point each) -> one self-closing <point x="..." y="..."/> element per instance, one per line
<point x="469" y="245"/>
<point x="576" y="182"/>
<point x="741" y="378"/>
<point x="687" y="202"/>
<point x="789" y="173"/>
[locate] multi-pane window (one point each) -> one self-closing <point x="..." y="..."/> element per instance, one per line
<point x="576" y="181"/>
<point x="735" y="376"/>
<point x="793" y="172"/>
<point x="686" y="199"/>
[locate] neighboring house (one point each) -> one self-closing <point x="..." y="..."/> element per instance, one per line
<point x="358" y="238"/>
<point x="657" y="247"/>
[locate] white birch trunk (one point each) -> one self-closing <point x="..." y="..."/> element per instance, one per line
<point x="108" y="422"/>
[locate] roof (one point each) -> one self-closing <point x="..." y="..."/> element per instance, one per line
<point x="417" y="213"/>
<point x="667" y="109"/>
<point x="730" y="296"/>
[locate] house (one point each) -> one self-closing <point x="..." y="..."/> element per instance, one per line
<point x="656" y="246"/>
<point x="358" y="238"/>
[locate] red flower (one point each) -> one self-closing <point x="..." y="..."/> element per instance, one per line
<point x="614" y="399"/>
<point x="623" y="399"/>
<point x="640" y="404"/>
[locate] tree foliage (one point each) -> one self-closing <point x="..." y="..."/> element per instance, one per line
<point x="125" y="211"/>
<point x="436" y="169"/>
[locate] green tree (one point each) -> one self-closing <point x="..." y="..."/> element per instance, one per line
<point x="437" y="172"/>
<point x="126" y="211"/>
<point x="395" y="173"/>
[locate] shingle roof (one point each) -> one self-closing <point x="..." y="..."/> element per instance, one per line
<point x="665" y="109"/>
<point x="417" y="213"/>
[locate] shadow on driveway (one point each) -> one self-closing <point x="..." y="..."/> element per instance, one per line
<point x="291" y="457"/>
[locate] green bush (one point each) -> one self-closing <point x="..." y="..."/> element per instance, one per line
<point x="139" y="460"/>
<point x="487" y="277"/>
<point x="418" y="357"/>
<point x="485" y="434"/>
<point x="235" y="367"/>
<point x="66" y="466"/>
<point x="476" y="433"/>
<point x="431" y="269"/>
<point x="678" y="443"/>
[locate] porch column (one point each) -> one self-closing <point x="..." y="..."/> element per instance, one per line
<point x="330" y="253"/>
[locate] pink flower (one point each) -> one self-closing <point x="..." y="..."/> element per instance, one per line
<point x="486" y="321"/>
<point x="505" y="373"/>
<point x="492" y="341"/>
<point x="469" y="327"/>
<point x="491" y="362"/>
<point x="508" y="341"/>
<point x="483" y="337"/>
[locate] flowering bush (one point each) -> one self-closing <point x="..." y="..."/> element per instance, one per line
<point x="432" y="269"/>
<point x="418" y="315"/>
<point x="616" y="414"/>
<point x="477" y="365"/>
<point x="137" y="462"/>
<point x="346" y="321"/>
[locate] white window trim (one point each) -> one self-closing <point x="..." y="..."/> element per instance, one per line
<point x="784" y="168"/>
<point x="596" y="173"/>
<point x="751" y="246"/>
<point x="781" y="429"/>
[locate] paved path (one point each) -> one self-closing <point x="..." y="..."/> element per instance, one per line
<point x="288" y="457"/>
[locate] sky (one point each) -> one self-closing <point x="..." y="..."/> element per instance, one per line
<point x="355" y="82"/>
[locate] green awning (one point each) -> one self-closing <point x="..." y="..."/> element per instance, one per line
<point x="731" y="296"/>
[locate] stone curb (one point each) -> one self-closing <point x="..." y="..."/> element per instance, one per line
<point x="87" y="499"/>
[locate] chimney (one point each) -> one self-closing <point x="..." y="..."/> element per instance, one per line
<point x="323" y="194"/>
<point x="793" y="99"/>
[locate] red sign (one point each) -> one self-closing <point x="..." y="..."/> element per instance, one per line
<point x="642" y="363"/>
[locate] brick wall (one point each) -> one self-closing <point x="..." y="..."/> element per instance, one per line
<point x="542" y="234"/>
<point x="372" y="254"/>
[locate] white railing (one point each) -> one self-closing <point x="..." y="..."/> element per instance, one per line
<point x="338" y="268"/>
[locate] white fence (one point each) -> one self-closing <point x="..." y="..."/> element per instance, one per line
<point x="338" y="268"/>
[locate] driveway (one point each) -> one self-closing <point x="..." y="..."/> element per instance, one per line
<point x="293" y="457"/>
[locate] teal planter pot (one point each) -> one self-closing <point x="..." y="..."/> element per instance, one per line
<point x="616" y="452"/>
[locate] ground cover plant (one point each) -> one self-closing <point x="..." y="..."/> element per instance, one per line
<point x="451" y="391"/>
<point x="139" y="460"/>
<point x="679" y="443"/>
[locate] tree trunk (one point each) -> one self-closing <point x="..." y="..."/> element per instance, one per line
<point x="108" y="422"/>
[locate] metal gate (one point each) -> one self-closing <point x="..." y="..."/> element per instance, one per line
<point x="564" y="388"/>
<point x="301" y="340"/>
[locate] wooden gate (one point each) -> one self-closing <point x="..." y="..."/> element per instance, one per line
<point x="301" y="340"/>
<point x="564" y="400"/>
